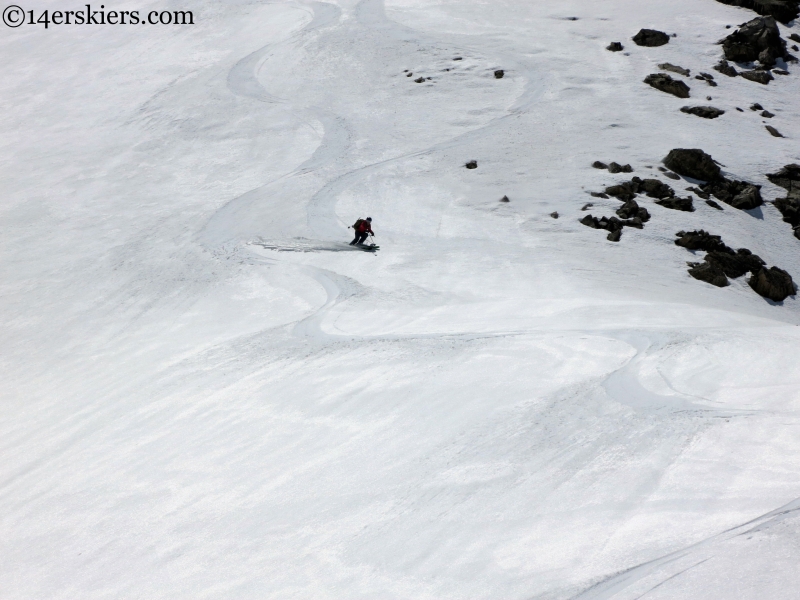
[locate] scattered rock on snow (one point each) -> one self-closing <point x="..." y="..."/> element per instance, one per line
<point x="713" y="204"/>
<point x="473" y="164"/>
<point x="684" y="204"/>
<point x="794" y="37"/>
<point x="632" y="210"/>
<point x="699" y="192"/>
<point x="762" y="77"/>
<point x="588" y="205"/>
<point x="499" y="74"/>
<point x="701" y="240"/>
<point x="774" y="132"/>
<point x="735" y="265"/>
<point x="710" y="273"/>
<point x="554" y="215"/>
<point x="599" y="165"/>
<point x="419" y="80"/>
<point x="615" y="47"/>
<point x="756" y="106"/>
<point x="665" y="83"/>
<point x="747" y="43"/>
<point x="707" y="112"/>
<point x="650" y="38"/>
<point x="693" y="163"/>
<point x="675" y="69"/>
<point x="726" y="69"/>
<point x="505" y="199"/>
<point x="766" y="114"/>
<point x="738" y="194"/>
<point x="773" y="283"/>
<point x="618" y="168"/>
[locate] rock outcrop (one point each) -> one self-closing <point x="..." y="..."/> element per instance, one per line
<point x="783" y="10"/>
<point x="693" y="163"/>
<point x="651" y="38"/>
<point x="706" y="112"/>
<point x="665" y="83"/>
<point x="773" y="283"/>
<point x="759" y="39"/>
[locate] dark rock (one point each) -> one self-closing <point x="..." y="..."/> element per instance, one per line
<point x="598" y="195"/>
<point x="665" y="83"/>
<point x="736" y="265"/>
<point x="773" y="283"/>
<point x="739" y="109"/>
<point x="671" y="176"/>
<point x="614" y="236"/>
<point x="711" y="82"/>
<point x="420" y="80"/>
<point x="410" y="75"/>
<point x="588" y="205"/>
<point x="632" y="210"/>
<point x="627" y="169"/>
<point x="458" y="58"/>
<point x="707" y="112"/>
<point x="684" y="204"/>
<point x="615" y="47"/>
<point x="797" y="232"/>
<point x="762" y="77"/>
<point x="780" y="72"/>
<point x="699" y="192"/>
<point x="794" y="37"/>
<point x="693" y="163"/>
<point x="726" y="69"/>
<point x="783" y="10"/>
<point x="767" y="115"/>
<point x="773" y="131"/>
<point x="554" y="215"/>
<point x="499" y="74"/>
<point x="754" y="37"/>
<point x="614" y="168"/>
<point x="713" y="204"/>
<point x="756" y="106"/>
<point x="789" y="179"/>
<point x="650" y="38"/>
<point x="701" y="240"/>
<point x="655" y="189"/>
<point x="707" y="75"/>
<point x="709" y="98"/>
<point x="624" y="191"/>
<point x="795" y="48"/>
<point x="739" y="194"/>
<point x="675" y="69"/>
<point x="473" y="164"/>
<point x="598" y="165"/>
<point x="505" y="199"/>
<point x="790" y="209"/>
<point x="710" y="273"/>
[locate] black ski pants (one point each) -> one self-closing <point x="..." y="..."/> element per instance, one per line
<point x="359" y="239"/>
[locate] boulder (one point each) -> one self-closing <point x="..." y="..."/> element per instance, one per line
<point x="783" y="10"/>
<point x="693" y="163"/>
<point x="789" y="179"/>
<point x="632" y="210"/>
<point x="701" y="240"/>
<point x="766" y="114"/>
<point x="674" y="69"/>
<point x="713" y="204"/>
<point x="473" y="164"/>
<point x="419" y="80"/>
<point x="739" y="194"/>
<point x="751" y="39"/>
<point x="684" y="204"/>
<point x="656" y="189"/>
<point x="710" y="273"/>
<point x="762" y="77"/>
<point x="706" y="112"/>
<point x="499" y="74"/>
<point x="599" y="165"/>
<point x="725" y="68"/>
<point x="650" y="38"/>
<point x="615" y="47"/>
<point x="794" y="37"/>
<point x="773" y="283"/>
<point x="790" y="210"/>
<point x="665" y="83"/>
<point x="773" y="132"/>
<point x="614" y="236"/>
<point x="735" y="265"/>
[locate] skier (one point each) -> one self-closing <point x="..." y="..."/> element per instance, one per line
<point x="363" y="228"/>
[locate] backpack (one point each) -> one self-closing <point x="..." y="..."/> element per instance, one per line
<point x="357" y="223"/>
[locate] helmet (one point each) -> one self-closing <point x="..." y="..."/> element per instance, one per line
<point x="369" y="218"/>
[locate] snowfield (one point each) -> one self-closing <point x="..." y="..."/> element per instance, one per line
<point x="206" y="393"/>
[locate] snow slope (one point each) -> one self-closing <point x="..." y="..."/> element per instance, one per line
<point x="207" y="394"/>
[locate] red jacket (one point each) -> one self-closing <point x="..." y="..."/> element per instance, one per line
<point x="363" y="226"/>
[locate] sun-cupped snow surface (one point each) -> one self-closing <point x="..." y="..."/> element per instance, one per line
<point x="206" y="393"/>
